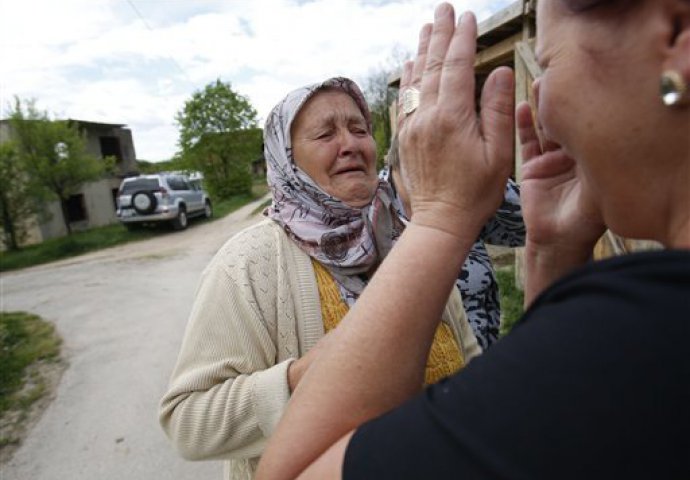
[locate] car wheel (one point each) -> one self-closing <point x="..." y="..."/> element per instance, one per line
<point x="180" y="222"/>
<point x="144" y="202"/>
<point x="208" y="210"/>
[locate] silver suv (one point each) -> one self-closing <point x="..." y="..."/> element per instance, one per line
<point x="162" y="197"/>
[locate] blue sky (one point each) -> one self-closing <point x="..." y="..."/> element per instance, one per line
<point x="137" y="61"/>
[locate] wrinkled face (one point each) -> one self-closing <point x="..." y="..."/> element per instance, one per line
<point x="598" y="98"/>
<point x="332" y="144"/>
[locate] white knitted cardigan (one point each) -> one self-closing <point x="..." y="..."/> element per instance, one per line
<point x="256" y="309"/>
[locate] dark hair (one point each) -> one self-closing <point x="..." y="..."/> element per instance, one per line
<point x="578" y="6"/>
<point x="582" y="5"/>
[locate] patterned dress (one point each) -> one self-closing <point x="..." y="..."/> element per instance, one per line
<point x="477" y="279"/>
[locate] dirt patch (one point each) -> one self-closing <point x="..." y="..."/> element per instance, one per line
<point x="501" y="256"/>
<point x="41" y="381"/>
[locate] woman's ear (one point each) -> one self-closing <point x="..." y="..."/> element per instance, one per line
<point x="675" y="76"/>
<point x="678" y="52"/>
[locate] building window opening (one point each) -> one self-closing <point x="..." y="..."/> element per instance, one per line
<point x="110" y="146"/>
<point x="76" y="209"/>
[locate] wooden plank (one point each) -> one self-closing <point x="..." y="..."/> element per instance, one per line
<point x="611" y="245"/>
<point x="494" y="53"/>
<point x="393" y="116"/>
<point x="506" y="15"/>
<point x="616" y="242"/>
<point x="529" y="20"/>
<point x="523" y="91"/>
<point x="524" y="50"/>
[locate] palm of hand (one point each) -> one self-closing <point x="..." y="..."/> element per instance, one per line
<point x="557" y="205"/>
<point x="455" y="164"/>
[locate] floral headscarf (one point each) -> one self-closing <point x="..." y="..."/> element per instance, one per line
<point x="348" y="241"/>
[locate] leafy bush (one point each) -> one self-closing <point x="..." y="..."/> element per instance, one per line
<point x="225" y="160"/>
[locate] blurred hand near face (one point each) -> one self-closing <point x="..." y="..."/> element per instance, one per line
<point x="454" y="164"/>
<point x="562" y="220"/>
<point x="558" y="208"/>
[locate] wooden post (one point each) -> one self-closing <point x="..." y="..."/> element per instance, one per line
<point x="526" y="71"/>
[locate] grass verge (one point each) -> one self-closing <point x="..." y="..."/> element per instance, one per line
<point x="108" y="236"/>
<point x="70" y="246"/>
<point x="27" y="343"/>
<point x="511" y="298"/>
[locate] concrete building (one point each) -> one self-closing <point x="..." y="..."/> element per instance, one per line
<point x="94" y="204"/>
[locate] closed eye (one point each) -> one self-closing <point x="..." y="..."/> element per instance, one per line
<point x="324" y="135"/>
<point x="358" y="129"/>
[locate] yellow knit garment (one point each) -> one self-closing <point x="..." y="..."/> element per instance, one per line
<point x="445" y="358"/>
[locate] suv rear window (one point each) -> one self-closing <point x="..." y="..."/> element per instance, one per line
<point x="178" y="183"/>
<point x="140" y="184"/>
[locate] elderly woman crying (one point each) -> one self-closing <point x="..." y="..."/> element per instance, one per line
<point x="271" y="294"/>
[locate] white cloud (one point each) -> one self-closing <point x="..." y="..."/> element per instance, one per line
<point x="98" y="60"/>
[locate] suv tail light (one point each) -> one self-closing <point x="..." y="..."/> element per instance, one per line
<point x="164" y="192"/>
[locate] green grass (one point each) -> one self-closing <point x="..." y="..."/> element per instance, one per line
<point x="511" y="298"/>
<point x="224" y="207"/>
<point x="102" y="237"/>
<point x="24" y="340"/>
<point x="70" y="246"/>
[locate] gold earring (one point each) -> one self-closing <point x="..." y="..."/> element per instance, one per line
<point x="673" y="89"/>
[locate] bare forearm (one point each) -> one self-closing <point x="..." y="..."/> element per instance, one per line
<point x="299" y="367"/>
<point x="376" y="359"/>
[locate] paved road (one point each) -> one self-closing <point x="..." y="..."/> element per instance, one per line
<point x="121" y="313"/>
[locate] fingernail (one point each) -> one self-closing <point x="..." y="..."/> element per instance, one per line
<point x="441" y="11"/>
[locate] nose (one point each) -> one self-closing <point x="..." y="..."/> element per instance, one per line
<point x="348" y="142"/>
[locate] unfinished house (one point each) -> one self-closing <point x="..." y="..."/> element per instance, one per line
<point x="507" y="39"/>
<point x="94" y="204"/>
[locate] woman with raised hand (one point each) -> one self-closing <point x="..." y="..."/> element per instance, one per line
<point x="477" y="279"/>
<point x="275" y="289"/>
<point x="593" y="381"/>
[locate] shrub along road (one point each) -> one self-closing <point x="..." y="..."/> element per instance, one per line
<point x="121" y="313"/>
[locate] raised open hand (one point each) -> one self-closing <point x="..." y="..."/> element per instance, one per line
<point x="455" y="164"/>
<point x="557" y="206"/>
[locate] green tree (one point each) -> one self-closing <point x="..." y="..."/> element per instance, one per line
<point x="225" y="160"/>
<point x="215" y="109"/>
<point x="211" y="139"/>
<point x="53" y="154"/>
<point x="17" y="204"/>
<point x="380" y="96"/>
